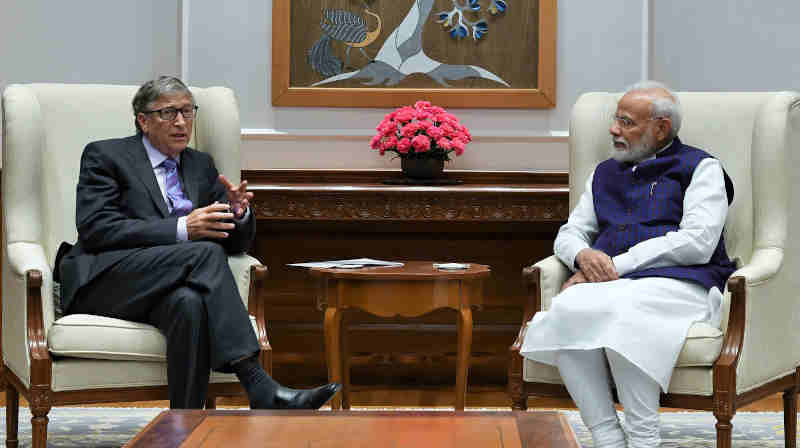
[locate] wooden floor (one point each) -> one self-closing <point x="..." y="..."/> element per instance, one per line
<point x="487" y="398"/>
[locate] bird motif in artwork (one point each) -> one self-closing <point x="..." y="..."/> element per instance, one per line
<point x="345" y="27"/>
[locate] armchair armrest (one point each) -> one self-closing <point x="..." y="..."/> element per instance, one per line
<point x="553" y="274"/>
<point x="25" y="320"/>
<point x="764" y="264"/>
<point x="250" y="276"/>
<point x="542" y="282"/>
<point x="241" y="265"/>
<point x="762" y="310"/>
<point x="23" y="257"/>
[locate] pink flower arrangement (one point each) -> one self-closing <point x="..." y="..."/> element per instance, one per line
<point x="422" y="131"/>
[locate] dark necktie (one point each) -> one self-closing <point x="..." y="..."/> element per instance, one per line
<point x="181" y="205"/>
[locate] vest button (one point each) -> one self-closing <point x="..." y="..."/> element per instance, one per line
<point x="622" y="227"/>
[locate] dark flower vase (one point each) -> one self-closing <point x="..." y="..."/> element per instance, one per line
<point x="422" y="168"/>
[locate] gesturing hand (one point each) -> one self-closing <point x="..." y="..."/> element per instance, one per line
<point x="208" y="222"/>
<point x="596" y="266"/>
<point x="576" y="278"/>
<point x="238" y="196"/>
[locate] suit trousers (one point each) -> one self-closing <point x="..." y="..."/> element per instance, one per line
<point x="188" y="292"/>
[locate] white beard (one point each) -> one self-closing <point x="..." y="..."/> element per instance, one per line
<point x="634" y="153"/>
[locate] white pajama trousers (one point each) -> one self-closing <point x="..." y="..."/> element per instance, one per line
<point x="638" y="393"/>
<point x="628" y="331"/>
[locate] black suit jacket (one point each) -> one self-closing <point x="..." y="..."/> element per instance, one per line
<point x="120" y="208"/>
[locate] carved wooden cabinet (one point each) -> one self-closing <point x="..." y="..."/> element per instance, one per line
<point x="506" y="220"/>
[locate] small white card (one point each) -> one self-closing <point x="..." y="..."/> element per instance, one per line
<point x="451" y="266"/>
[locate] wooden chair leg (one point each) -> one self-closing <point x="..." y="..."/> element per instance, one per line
<point x="12" y="416"/>
<point x="515" y="387"/>
<point x="790" y="417"/>
<point x="211" y="402"/>
<point x="724" y="431"/>
<point x="40" y="407"/>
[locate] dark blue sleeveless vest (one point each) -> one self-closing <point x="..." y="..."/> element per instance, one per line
<point x="633" y="206"/>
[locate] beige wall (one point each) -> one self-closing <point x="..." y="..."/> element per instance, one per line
<point x="711" y="45"/>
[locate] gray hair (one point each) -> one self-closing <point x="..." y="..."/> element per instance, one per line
<point x="669" y="107"/>
<point x="152" y="90"/>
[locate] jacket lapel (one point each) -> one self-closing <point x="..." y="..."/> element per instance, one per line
<point x="144" y="171"/>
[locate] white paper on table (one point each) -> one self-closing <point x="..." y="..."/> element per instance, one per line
<point x="360" y="262"/>
<point x="451" y="266"/>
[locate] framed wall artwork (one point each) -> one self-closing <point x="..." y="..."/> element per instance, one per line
<point x="388" y="53"/>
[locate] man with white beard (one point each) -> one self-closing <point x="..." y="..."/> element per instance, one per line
<point x="646" y="248"/>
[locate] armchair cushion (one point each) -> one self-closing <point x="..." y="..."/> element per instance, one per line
<point x="98" y="337"/>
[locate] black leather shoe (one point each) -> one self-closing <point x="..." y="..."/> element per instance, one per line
<point x="286" y="398"/>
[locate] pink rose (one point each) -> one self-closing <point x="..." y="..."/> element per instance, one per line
<point x="382" y="124"/>
<point x="421" y="143"/>
<point x="422" y="104"/>
<point x="422" y="115"/>
<point x="444" y="144"/>
<point x="403" y="145"/>
<point x="449" y="131"/>
<point x="375" y="143"/>
<point x="435" y="133"/>
<point x="391" y="143"/>
<point x="405" y="114"/>
<point x="389" y="129"/>
<point x="458" y="146"/>
<point x="410" y="129"/>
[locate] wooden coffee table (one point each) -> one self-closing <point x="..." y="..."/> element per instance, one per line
<point x="414" y="289"/>
<point x="280" y="429"/>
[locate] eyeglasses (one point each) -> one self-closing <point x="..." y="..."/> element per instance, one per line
<point x="171" y="113"/>
<point x="627" y="123"/>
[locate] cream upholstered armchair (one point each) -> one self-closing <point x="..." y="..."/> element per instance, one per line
<point x="756" y="352"/>
<point x="76" y="359"/>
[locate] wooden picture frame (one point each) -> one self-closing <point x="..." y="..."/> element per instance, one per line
<point x="540" y="97"/>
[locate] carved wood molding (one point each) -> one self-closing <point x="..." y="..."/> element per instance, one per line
<point x="551" y="179"/>
<point x="359" y="196"/>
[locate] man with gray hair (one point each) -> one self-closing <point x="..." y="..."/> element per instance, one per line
<point x="156" y="222"/>
<point x="646" y="248"/>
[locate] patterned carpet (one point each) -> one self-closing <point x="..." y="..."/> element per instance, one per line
<point x="112" y="427"/>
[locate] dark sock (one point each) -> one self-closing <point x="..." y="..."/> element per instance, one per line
<point x="260" y="387"/>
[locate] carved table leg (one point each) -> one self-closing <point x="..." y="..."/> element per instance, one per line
<point x="12" y="416"/>
<point x="345" y="360"/>
<point x="333" y="348"/>
<point x="464" y="347"/>
<point x="40" y="407"/>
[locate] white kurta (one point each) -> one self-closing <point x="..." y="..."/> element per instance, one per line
<point x="645" y="320"/>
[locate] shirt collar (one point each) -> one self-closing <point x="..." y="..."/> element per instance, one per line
<point x="657" y="152"/>
<point x="156" y="157"/>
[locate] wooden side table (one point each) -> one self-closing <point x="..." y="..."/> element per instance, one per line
<point x="412" y="290"/>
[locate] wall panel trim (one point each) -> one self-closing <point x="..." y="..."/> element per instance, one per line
<point x="249" y="134"/>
